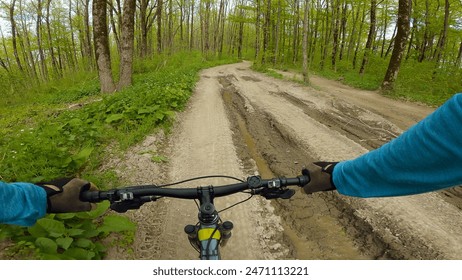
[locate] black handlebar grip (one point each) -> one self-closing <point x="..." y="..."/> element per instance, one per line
<point x="90" y="196"/>
<point x="305" y="178"/>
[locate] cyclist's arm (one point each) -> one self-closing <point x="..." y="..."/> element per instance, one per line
<point x="21" y="203"/>
<point x="425" y="158"/>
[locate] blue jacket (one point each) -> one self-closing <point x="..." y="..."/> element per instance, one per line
<point x="425" y="158"/>
<point x="21" y="203"/>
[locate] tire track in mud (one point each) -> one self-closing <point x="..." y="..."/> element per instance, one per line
<point x="402" y="228"/>
<point x="311" y="225"/>
<point x="201" y="144"/>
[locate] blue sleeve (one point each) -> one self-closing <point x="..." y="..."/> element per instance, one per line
<point x="21" y="203"/>
<point x="425" y="158"/>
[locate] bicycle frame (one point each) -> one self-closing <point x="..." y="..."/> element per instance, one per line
<point x="209" y="233"/>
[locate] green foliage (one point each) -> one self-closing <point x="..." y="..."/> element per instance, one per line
<point x="42" y="141"/>
<point x="62" y="142"/>
<point x="417" y="81"/>
<point x="66" y="236"/>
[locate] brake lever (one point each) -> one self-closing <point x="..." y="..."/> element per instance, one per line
<point x="277" y="193"/>
<point x="125" y="205"/>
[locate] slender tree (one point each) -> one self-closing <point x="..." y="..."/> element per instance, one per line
<point x="100" y="35"/>
<point x="159" y="25"/>
<point x="437" y="55"/>
<point x="403" y="24"/>
<point x="370" y="37"/>
<point x="13" y="35"/>
<point x="127" y="44"/>
<point x="305" y="43"/>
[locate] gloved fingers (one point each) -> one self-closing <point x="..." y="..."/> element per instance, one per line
<point x="320" y="180"/>
<point x="67" y="199"/>
<point x="327" y="166"/>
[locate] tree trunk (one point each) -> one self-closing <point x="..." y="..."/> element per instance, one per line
<point x="240" y="33"/>
<point x="425" y="42"/>
<point x="442" y="40"/>
<point x="326" y="38"/>
<point x="71" y="27"/>
<point x="5" y="63"/>
<point x="170" y="32"/>
<point x="114" y="25"/>
<point x="257" y="29"/>
<point x="13" y="36"/>
<point x="370" y="38"/>
<point x="361" y="25"/>
<point x="54" y="61"/>
<point x="100" y="37"/>
<point x="385" y="27"/>
<point x="392" y="41"/>
<point x="296" y="31"/>
<point x="87" y="40"/>
<point x="191" y="40"/>
<point x="26" y="46"/>
<point x="266" y="31"/>
<point x="206" y="26"/>
<point x="305" y="43"/>
<point x="343" y="32"/>
<point x="404" y="12"/>
<point x="459" y="57"/>
<point x="38" y="34"/>
<point x="159" y="26"/>
<point x="335" y="25"/>
<point x="127" y="44"/>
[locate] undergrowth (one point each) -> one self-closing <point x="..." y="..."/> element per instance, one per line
<point x="42" y="139"/>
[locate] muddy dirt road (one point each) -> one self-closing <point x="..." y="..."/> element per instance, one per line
<point x="239" y="123"/>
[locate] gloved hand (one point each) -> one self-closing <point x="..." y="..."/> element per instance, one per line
<point x="321" y="177"/>
<point x="63" y="195"/>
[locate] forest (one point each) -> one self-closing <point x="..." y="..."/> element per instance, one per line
<point x="84" y="80"/>
<point x="361" y="42"/>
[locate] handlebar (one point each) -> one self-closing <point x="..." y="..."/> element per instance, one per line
<point x="272" y="188"/>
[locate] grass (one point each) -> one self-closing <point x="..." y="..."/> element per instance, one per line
<point x="42" y="139"/>
<point x="417" y="82"/>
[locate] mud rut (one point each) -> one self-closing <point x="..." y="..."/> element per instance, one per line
<point x="240" y="123"/>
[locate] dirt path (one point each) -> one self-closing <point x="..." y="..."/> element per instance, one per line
<point x="240" y="121"/>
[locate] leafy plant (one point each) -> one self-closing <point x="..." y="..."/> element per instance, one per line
<point x="68" y="235"/>
<point x="42" y="141"/>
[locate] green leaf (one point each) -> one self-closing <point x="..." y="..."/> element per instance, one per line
<point x="159" y="115"/>
<point x="79" y="254"/>
<point x="53" y="227"/>
<point x="75" y="122"/>
<point x="100" y="210"/>
<point x="100" y="247"/>
<point x="83" y="243"/>
<point x="46" y="245"/>
<point x="64" y="242"/>
<point x="90" y="233"/>
<point x="65" y="216"/>
<point x="82" y="156"/>
<point x="114" y="223"/>
<point x="37" y="231"/>
<point x="75" y="231"/>
<point x="148" y="110"/>
<point x="114" y="117"/>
